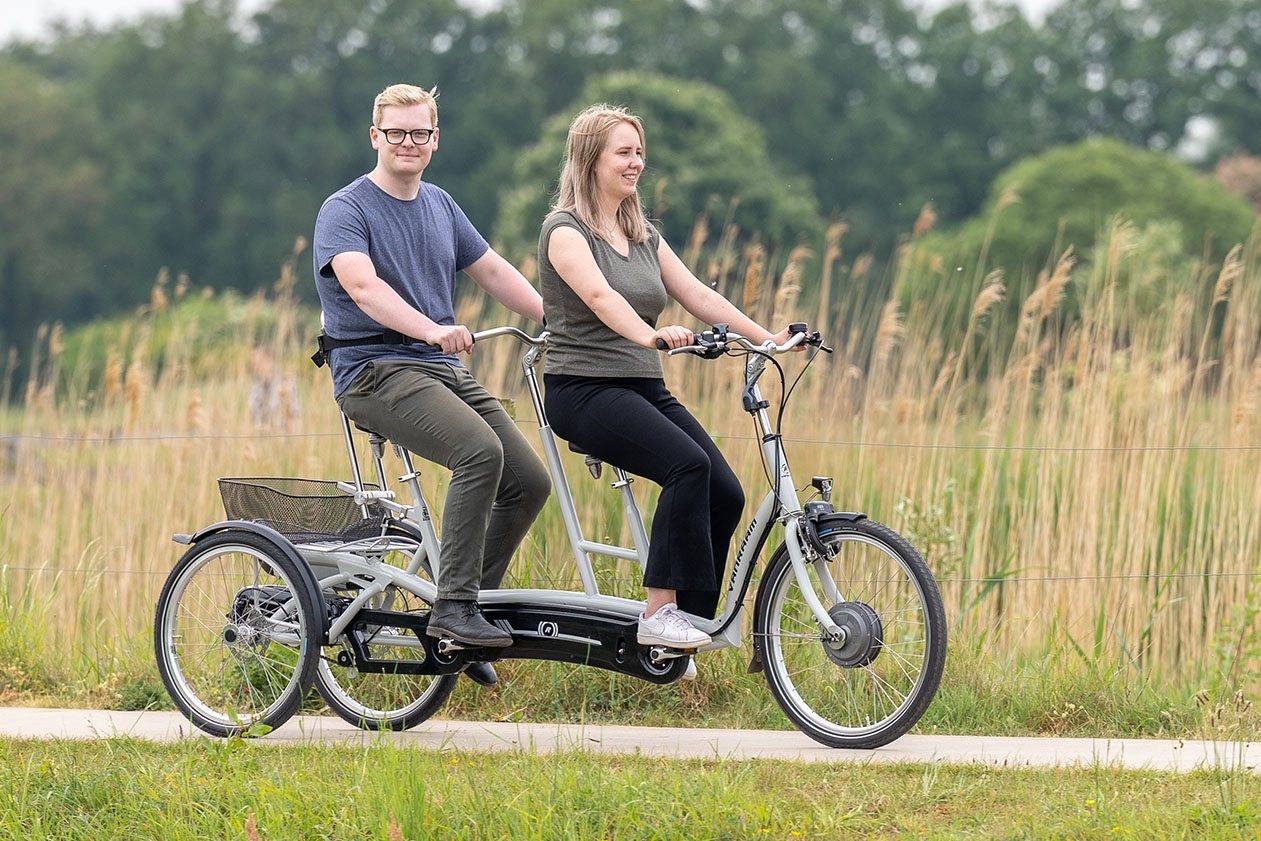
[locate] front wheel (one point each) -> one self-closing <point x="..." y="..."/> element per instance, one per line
<point x="233" y="633"/>
<point x="871" y="687"/>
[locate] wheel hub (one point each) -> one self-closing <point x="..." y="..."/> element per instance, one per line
<point x="862" y="637"/>
<point x="239" y="635"/>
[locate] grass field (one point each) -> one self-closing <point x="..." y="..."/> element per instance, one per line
<point x="239" y="789"/>
<point x="1089" y="497"/>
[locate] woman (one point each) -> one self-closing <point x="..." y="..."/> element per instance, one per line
<point x="606" y="277"/>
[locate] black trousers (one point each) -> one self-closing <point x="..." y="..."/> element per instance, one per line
<point x="636" y="424"/>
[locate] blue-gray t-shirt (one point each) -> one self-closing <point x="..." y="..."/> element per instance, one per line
<point x="415" y="246"/>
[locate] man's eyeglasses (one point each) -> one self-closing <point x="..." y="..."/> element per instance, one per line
<point x="419" y="136"/>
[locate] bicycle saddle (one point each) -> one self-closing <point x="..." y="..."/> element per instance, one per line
<point x="574" y="448"/>
<point x="594" y="464"/>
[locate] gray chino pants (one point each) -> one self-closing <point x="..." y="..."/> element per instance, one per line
<point x="498" y="485"/>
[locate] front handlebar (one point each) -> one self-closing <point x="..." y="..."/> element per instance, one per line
<point x="713" y="343"/>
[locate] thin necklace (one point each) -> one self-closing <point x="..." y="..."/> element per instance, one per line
<point x="609" y="231"/>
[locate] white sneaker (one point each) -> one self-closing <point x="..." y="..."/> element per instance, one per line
<point x="669" y="627"/>
<point x="690" y="672"/>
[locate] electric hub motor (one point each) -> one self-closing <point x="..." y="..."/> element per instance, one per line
<point x="864" y="635"/>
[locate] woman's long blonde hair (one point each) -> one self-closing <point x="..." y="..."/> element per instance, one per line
<point x="576" y="193"/>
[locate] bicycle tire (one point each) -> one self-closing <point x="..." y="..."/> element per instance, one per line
<point x="382" y="701"/>
<point x="233" y="633"/>
<point x="378" y="701"/>
<point x="873" y="688"/>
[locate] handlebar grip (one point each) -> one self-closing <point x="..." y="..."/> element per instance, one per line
<point x="661" y="344"/>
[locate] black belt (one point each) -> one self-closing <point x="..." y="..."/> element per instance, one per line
<point x="327" y="343"/>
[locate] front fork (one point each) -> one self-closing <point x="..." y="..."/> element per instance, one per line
<point x="802" y="556"/>
<point x="801" y="550"/>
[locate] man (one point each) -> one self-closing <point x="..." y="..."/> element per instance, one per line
<point x="387" y="248"/>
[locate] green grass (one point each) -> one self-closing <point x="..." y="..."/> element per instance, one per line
<point x="238" y="789"/>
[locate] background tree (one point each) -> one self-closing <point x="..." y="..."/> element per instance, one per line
<point x="1068" y="195"/>
<point x="1089" y="197"/>
<point x="703" y="156"/>
<point x="52" y="203"/>
<point x="213" y="139"/>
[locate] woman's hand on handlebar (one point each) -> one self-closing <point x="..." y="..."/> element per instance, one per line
<point x="781" y="338"/>
<point x="672" y="337"/>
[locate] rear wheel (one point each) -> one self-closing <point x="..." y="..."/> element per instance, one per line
<point x="232" y="633"/>
<point x="871" y="687"/>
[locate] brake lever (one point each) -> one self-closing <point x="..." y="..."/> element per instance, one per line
<point x="706" y="346"/>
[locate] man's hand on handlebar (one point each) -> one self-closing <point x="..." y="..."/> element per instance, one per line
<point x="452" y="339"/>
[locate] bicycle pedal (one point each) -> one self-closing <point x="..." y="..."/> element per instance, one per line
<point x="446" y="645"/>
<point x="661" y="654"/>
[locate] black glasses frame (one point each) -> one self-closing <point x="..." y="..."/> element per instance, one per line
<point x="419" y="136"/>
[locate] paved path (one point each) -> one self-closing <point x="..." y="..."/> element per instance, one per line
<point x="1154" y="754"/>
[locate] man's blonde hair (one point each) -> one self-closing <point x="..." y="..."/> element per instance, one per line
<point x="405" y="95"/>
<point x="576" y="192"/>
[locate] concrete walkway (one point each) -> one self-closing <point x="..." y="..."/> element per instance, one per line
<point x="438" y="734"/>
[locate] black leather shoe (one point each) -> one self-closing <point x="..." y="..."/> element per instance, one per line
<point x="462" y="621"/>
<point x="483" y="674"/>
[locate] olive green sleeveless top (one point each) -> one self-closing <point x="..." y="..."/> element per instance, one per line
<point x="583" y="345"/>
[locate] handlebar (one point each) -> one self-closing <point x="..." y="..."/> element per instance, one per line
<point x="515" y="332"/>
<point x="712" y="343"/>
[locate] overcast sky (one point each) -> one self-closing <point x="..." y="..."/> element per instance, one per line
<point x="31" y="18"/>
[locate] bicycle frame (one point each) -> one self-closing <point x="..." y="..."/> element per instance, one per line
<point x="857" y="674"/>
<point x="347" y="562"/>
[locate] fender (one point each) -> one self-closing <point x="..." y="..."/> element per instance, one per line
<point x="818" y="513"/>
<point x="308" y="577"/>
<point x="846" y="516"/>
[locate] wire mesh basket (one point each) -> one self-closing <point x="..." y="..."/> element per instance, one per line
<point x="301" y="509"/>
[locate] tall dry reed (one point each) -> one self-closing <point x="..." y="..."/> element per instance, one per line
<point x="1097" y="500"/>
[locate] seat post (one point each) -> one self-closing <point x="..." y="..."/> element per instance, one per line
<point x="354" y="460"/>
<point x="377" y="444"/>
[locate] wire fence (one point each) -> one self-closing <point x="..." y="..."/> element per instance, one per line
<point x="861" y="444"/>
<point x="1013" y="579"/>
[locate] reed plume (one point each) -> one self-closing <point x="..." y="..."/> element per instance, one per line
<point x="1047" y="294"/>
<point x="158" y="301"/>
<point x="862" y="264"/>
<point x="831" y="254"/>
<point x="992" y="293"/>
<point x="696" y="241"/>
<point x="925" y="221"/>
<point x="755" y="264"/>
<point x="889" y="334"/>
<point x="134" y="388"/>
<point x="790" y="285"/>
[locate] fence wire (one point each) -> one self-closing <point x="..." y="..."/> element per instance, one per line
<point x="860" y="444"/>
